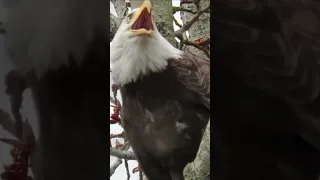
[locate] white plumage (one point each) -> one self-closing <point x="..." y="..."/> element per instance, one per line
<point x="132" y="55"/>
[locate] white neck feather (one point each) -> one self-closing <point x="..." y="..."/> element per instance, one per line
<point x="133" y="57"/>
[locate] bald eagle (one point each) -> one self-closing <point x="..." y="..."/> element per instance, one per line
<point x="267" y="84"/>
<point x="165" y="96"/>
<point x="61" y="46"/>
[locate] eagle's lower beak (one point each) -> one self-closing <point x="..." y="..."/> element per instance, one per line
<point x="142" y="20"/>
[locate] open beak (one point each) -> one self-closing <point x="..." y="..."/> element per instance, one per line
<point x="142" y="20"/>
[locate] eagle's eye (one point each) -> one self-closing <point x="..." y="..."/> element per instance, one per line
<point x="129" y="17"/>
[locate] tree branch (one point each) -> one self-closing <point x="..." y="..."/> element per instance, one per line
<point x="114" y="166"/>
<point x="123" y="154"/>
<point x="180" y="8"/>
<point x="140" y="175"/>
<point x="121" y="135"/>
<point x="189" y="43"/>
<point x="186" y="2"/>
<point x="177" y="23"/>
<point x="127" y="168"/>
<point x="7" y="122"/>
<point x="187" y="25"/>
<point x="118" y="161"/>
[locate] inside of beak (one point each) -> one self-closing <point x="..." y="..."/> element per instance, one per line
<point x="142" y="21"/>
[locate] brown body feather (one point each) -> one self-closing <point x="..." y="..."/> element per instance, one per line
<point x="164" y="115"/>
<point x="266" y="78"/>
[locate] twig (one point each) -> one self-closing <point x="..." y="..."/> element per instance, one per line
<point x="127" y="168"/>
<point x="118" y="161"/>
<point x="123" y="154"/>
<point x="177" y="23"/>
<point x="180" y="8"/>
<point x="197" y="3"/>
<point x="120" y="135"/>
<point x="187" y="25"/>
<point x="115" y="88"/>
<point x="186" y="2"/>
<point x="7" y="122"/>
<point x="112" y="101"/>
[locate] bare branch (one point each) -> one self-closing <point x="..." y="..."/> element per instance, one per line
<point x="187" y="25"/>
<point x="177" y="23"/>
<point x="120" y="135"/>
<point x="12" y="142"/>
<point x="114" y="166"/>
<point x="186" y="2"/>
<point x="127" y="168"/>
<point x="180" y="8"/>
<point x="123" y="154"/>
<point x="118" y="161"/>
<point x="189" y="43"/>
<point x="7" y="122"/>
<point x="114" y="24"/>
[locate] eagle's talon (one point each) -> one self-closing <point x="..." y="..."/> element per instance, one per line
<point x="137" y="169"/>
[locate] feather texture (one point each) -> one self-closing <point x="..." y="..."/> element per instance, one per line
<point x="164" y="121"/>
<point x="194" y="73"/>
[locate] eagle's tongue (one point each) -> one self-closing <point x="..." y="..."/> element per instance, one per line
<point x="143" y="21"/>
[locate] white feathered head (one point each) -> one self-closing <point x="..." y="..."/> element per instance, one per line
<point x="138" y="48"/>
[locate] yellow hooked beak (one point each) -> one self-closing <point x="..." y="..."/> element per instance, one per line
<point x="142" y="20"/>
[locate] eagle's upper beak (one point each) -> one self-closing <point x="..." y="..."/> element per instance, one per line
<point x="142" y="20"/>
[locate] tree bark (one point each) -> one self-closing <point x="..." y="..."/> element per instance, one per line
<point x="200" y="29"/>
<point x="114" y="24"/>
<point x="200" y="167"/>
<point x="121" y="8"/>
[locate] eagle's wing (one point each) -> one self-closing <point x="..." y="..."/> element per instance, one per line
<point x="272" y="45"/>
<point x="194" y="73"/>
